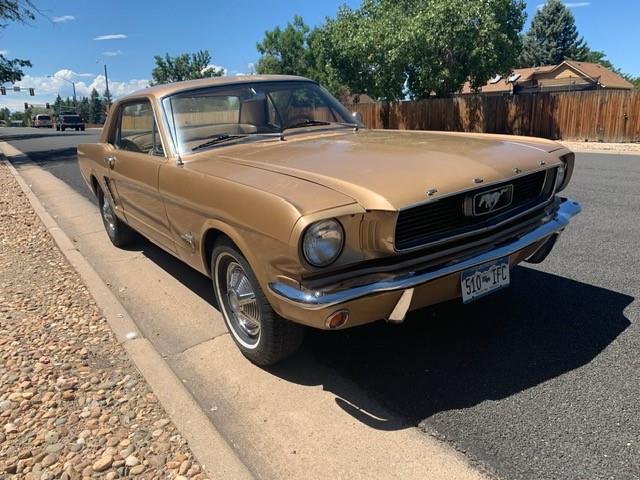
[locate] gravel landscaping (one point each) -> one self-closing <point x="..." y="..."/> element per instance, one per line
<point x="598" y="147"/>
<point x="72" y="405"/>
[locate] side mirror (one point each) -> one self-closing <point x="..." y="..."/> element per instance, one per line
<point x="357" y="116"/>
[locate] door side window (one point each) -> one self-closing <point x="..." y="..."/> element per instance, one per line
<point x="137" y="131"/>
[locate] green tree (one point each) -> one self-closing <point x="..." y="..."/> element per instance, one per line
<point x="286" y="51"/>
<point x="5" y="113"/>
<point x="183" y="67"/>
<point x="298" y="50"/>
<point x="633" y="80"/>
<point x="389" y="49"/>
<point x="84" y="108"/>
<point x="11" y="70"/>
<point x="57" y="104"/>
<point x="107" y="99"/>
<point x="96" y="107"/>
<point x="552" y="37"/>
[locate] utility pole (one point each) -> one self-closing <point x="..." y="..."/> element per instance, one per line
<point x="75" y="102"/>
<point x="106" y="80"/>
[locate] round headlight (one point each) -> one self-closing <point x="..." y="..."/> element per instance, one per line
<point x="322" y="242"/>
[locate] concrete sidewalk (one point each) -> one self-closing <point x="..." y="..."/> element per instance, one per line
<point x="282" y="423"/>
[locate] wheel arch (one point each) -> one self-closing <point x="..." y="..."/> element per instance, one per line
<point x="214" y="231"/>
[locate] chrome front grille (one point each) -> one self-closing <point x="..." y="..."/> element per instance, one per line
<point x="442" y="218"/>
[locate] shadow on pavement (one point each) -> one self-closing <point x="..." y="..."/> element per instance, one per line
<point x="454" y="356"/>
<point x="450" y="356"/>
<point x="62" y="155"/>
<point x="6" y="137"/>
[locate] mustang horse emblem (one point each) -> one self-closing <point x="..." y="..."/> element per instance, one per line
<point x="490" y="200"/>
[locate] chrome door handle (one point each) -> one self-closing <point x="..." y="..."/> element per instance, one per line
<point x="110" y="161"/>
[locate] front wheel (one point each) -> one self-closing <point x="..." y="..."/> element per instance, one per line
<point x="119" y="232"/>
<point x="260" y="333"/>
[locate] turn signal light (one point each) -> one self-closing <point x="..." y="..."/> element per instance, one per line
<point x="337" y="319"/>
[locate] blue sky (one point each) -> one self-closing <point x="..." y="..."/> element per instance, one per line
<point x="66" y="44"/>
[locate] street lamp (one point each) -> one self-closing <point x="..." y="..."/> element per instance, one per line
<point x="75" y="103"/>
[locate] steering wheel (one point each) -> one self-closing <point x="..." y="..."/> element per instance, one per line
<point x="299" y="119"/>
<point x="126" y="144"/>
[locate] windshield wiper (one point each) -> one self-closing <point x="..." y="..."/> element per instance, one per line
<point x="225" y="137"/>
<point x="217" y="139"/>
<point x="314" y="123"/>
<point x="306" y="123"/>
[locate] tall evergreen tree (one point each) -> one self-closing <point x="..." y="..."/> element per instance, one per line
<point x="553" y="37"/>
<point x="84" y="108"/>
<point x="107" y="100"/>
<point x="96" y="107"/>
<point x="58" y="104"/>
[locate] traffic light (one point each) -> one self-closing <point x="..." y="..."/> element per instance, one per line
<point x="46" y="105"/>
<point x="26" y="106"/>
<point x="32" y="92"/>
<point x="3" y="90"/>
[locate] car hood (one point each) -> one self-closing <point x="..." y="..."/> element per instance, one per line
<point x="390" y="169"/>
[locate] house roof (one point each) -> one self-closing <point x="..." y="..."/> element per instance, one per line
<point x="604" y="76"/>
<point x="592" y="71"/>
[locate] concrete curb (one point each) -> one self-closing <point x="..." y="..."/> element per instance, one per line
<point x="214" y="453"/>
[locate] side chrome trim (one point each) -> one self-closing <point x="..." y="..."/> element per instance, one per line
<point x="319" y="299"/>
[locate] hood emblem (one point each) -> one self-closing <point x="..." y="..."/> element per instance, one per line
<point x="431" y="192"/>
<point x="489" y="201"/>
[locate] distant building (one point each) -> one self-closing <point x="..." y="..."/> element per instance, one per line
<point x="567" y="76"/>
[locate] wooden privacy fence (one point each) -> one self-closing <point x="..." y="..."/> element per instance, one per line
<point x="602" y="116"/>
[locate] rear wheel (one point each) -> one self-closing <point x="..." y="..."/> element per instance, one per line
<point x="260" y="333"/>
<point x="63" y="128"/>
<point x="118" y="232"/>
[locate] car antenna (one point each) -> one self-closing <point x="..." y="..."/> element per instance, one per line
<point x="179" y="161"/>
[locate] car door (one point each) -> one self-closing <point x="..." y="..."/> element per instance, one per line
<point x="134" y="161"/>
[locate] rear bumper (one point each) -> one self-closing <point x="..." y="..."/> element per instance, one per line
<point x="526" y="245"/>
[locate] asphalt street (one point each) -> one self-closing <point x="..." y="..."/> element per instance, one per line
<point x="540" y="381"/>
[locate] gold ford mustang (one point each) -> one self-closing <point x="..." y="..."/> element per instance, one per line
<point x="302" y="217"/>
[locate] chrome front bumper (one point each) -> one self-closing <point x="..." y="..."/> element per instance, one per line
<point x="319" y="299"/>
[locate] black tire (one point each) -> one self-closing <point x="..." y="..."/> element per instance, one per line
<point x="57" y="128"/>
<point x="82" y="128"/>
<point x="276" y="338"/>
<point x="63" y="128"/>
<point x="118" y="232"/>
<point x="77" y="129"/>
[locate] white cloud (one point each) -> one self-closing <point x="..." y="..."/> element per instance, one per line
<point x="111" y="36"/>
<point x="216" y="67"/>
<point x="112" y="53"/>
<point x="46" y="88"/>
<point x="569" y="4"/>
<point x="63" y="19"/>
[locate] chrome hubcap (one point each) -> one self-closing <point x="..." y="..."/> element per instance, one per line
<point x="243" y="306"/>
<point x="108" y="216"/>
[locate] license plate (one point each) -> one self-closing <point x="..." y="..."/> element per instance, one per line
<point x="483" y="279"/>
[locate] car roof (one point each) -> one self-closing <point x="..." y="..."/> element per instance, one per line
<point x="159" y="91"/>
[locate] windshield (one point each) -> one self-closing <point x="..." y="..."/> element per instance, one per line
<point x="71" y="118"/>
<point x="206" y="117"/>
<point x="43" y="117"/>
